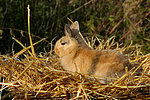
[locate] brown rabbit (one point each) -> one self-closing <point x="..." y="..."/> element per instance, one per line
<point x="76" y="56"/>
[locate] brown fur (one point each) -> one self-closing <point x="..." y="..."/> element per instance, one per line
<point x="76" y="56"/>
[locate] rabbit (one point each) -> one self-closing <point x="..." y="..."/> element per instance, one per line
<point x="77" y="56"/>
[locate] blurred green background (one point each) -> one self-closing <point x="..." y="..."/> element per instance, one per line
<point x="101" y="18"/>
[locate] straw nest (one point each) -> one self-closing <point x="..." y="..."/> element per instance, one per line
<point x="42" y="77"/>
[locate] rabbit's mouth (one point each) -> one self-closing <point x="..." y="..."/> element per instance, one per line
<point x="56" y="50"/>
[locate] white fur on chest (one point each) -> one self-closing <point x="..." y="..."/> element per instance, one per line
<point x="68" y="63"/>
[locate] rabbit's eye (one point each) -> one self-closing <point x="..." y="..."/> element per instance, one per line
<point x="63" y="43"/>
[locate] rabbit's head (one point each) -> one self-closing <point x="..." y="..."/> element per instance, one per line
<point x="70" y="41"/>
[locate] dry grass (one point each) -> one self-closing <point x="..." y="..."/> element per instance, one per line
<point x="42" y="77"/>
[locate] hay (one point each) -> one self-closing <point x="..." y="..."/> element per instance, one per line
<point x="42" y="77"/>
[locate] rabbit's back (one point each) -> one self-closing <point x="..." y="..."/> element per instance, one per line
<point x="109" y="62"/>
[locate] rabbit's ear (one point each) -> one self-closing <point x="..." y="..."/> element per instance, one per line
<point x="67" y="30"/>
<point x="75" y="26"/>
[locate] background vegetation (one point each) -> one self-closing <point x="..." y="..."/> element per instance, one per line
<point x="101" y="18"/>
